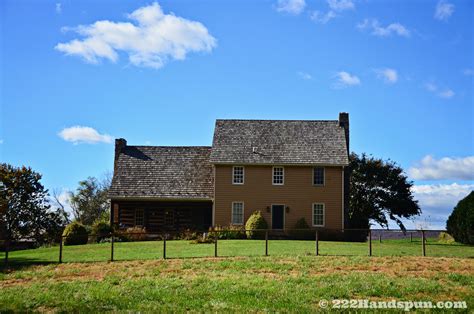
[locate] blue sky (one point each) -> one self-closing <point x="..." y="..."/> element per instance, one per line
<point x="76" y="74"/>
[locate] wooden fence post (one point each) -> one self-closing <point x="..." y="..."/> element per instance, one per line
<point x="317" y="242"/>
<point x="370" y="242"/>
<point x="423" y="240"/>
<point x="266" y="243"/>
<point x="215" y="245"/>
<point x="164" y="246"/>
<point x="112" y="248"/>
<point x="61" y="249"/>
<point x="7" y="244"/>
<point x="380" y="238"/>
<point x="411" y="236"/>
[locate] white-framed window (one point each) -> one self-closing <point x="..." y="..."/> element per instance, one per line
<point x="139" y="217"/>
<point x="238" y="213"/>
<point x="318" y="215"/>
<point x="238" y="175"/>
<point x="318" y="176"/>
<point x="278" y="177"/>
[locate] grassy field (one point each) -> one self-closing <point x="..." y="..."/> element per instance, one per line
<point x="290" y="279"/>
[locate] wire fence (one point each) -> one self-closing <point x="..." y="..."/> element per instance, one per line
<point x="124" y="245"/>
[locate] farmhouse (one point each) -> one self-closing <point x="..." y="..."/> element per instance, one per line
<point x="287" y="169"/>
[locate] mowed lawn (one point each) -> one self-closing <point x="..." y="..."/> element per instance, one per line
<point x="183" y="249"/>
<point x="290" y="279"/>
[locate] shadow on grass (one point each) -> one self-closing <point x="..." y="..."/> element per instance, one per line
<point x="19" y="263"/>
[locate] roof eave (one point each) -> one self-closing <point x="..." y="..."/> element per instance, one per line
<point x="157" y="198"/>
<point x="281" y="164"/>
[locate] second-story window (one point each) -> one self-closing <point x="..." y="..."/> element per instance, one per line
<point x="278" y="177"/>
<point x="318" y="175"/>
<point x="238" y="175"/>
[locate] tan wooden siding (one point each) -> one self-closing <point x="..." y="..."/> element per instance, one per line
<point x="298" y="193"/>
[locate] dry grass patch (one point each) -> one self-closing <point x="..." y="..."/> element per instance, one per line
<point x="276" y="268"/>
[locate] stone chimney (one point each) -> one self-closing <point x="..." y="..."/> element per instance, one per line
<point x="120" y="144"/>
<point x="344" y="123"/>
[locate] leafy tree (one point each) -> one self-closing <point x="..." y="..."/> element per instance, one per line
<point x="460" y="223"/>
<point x="379" y="189"/>
<point x="26" y="212"/>
<point x="90" y="201"/>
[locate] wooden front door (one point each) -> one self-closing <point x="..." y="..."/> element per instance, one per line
<point x="278" y="216"/>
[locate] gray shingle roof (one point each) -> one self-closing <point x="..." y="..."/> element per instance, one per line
<point x="163" y="172"/>
<point x="279" y="142"/>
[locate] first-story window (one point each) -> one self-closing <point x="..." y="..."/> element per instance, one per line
<point x="237" y="213"/>
<point x="238" y="175"/>
<point x="278" y="177"/>
<point x="318" y="175"/>
<point x="139" y="217"/>
<point x="318" y="215"/>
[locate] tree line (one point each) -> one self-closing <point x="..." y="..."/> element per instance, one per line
<point x="29" y="212"/>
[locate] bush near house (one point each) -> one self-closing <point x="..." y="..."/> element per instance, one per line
<point x="301" y="233"/>
<point x="132" y="234"/>
<point x="75" y="234"/>
<point x="101" y="229"/>
<point x="230" y="232"/>
<point x="256" y="221"/>
<point x="460" y="223"/>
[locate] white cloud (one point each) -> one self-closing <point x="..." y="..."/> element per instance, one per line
<point x="83" y="134"/>
<point x="58" y="8"/>
<point x="387" y="75"/>
<point x="431" y="87"/>
<point x="441" y="195"/>
<point x="345" y="79"/>
<point x="468" y="72"/>
<point x="304" y="75"/>
<point x="443" y="10"/>
<point x="443" y="93"/>
<point x="378" y="30"/>
<point x="63" y="197"/>
<point x="334" y="6"/>
<point x="437" y="202"/>
<point x="447" y="93"/>
<point x="341" y="5"/>
<point x="446" y="168"/>
<point x="294" y="7"/>
<point x="151" y="41"/>
<point x="321" y="17"/>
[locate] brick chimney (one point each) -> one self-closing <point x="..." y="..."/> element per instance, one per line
<point x="120" y="144"/>
<point x="344" y="123"/>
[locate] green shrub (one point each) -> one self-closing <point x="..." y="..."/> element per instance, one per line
<point x="75" y="233"/>
<point x="230" y="232"/>
<point x="301" y="233"/>
<point x="301" y="224"/>
<point x="187" y="234"/>
<point x="445" y="237"/>
<point x="256" y="221"/>
<point x="203" y="238"/>
<point x="132" y="234"/>
<point x="460" y="223"/>
<point x="101" y="229"/>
